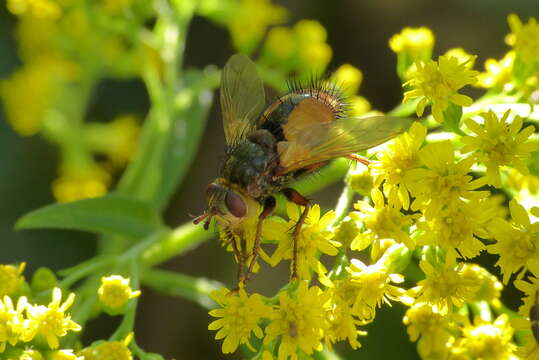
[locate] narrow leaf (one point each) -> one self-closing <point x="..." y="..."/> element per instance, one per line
<point x="110" y="215"/>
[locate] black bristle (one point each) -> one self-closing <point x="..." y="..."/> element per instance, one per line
<point x="319" y="87"/>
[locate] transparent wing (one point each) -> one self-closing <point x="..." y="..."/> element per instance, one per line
<point x="242" y="97"/>
<point x="322" y="142"/>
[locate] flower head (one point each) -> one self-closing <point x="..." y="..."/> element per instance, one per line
<point x="314" y="238"/>
<point x="497" y="72"/>
<point x="500" y="143"/>
<point x="249" y="22"/>
<point x="456" y="227"/>
<point x="64" y="354"/>
<point x="109" y="350"/>
<point x="115" y="291"/>
<point x="300" y="321"/>
<point x="524" y="38"/>
<point x="239" y="316"/>
<point x="45" y="9"/>
<point x="443" y="182"/>
<point x="311" y="39"/>
<point x="445" y="285"/>
<point x="11" y="278"/>
<point x="50" y="321"/>
<point x="343" y="323"/>
<point x="75" y="183"/>
<point x="384" y="220"/>
<point x="431" y="327"/>
<point x="517" y="243"/>
<point x="396" y="159"/>
<point x="416" y="42"/>
<point x="11" y="321"/>
<point x="438" y="83"/>
<point x="368" y="287"/>
<point x="348" y="78"/>
<point x="488" y="340"/>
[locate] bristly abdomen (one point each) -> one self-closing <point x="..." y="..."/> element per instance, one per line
<point x="318" y="101"/>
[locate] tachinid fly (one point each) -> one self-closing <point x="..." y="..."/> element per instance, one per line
<point x="269" y="146"/>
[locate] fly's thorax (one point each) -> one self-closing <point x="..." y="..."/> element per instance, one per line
<point x="249" y="163"/>
<point x="229" y="203"/>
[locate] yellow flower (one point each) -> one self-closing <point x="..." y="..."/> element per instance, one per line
<point x="348" y="78"/>
<point x="28" y="92"/>
<point x="384" y="220"/>
<point x="300" y="321"/>
<point x="457" y="227"/>
<point x="416" y="42"/>
<point x="313" y="49"/>
<point x="462" y="55"/>
<point x="432" y="328"/>
<point x="46" y="9"/>
<point x="109" y="350"/>
<point x="280" y="43"/>
<point x="498" y="73"/>
<point x="75" y="183"/>
<point x="11" y="321"/>
<point x="66" y="354"/>
<point x="490" y="288"/>
<point x="396" y="159"/>
<point x="250" y="21"/>
<point x="499" y="142"/>
<point x="347" y="229"/>
<point x="358" y="106"/>
<point x="438" y="83"/>
<point x="371" y="286"/>
<point x="314" y="238"/>
<point x="517" y="243"/>
<point x="445" y="285"/>
<point x="489" y="340"/>
<point x="50" y="321"/>
<point x="238" y="318"/>
<point x="36" y="38"/>
<point x="444" y="182"/>
<point x="524" y="38"/>
<point x="30" y="355"/>
<point x="343" y="324"/>
<point x="361" y="180"/>
<point x="11" y="279"/>
<point x="115" y="291"/>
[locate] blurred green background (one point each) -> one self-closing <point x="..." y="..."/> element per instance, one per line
<point x="358" y="32"/>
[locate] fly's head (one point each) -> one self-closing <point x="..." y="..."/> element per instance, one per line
<point x="229" y="204"/>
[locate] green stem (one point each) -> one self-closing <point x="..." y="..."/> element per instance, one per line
<point x="175" y="284"/>
<point x="343" y="204"/>
<point x="178" y="241"/>
<point x="84" y="269"/>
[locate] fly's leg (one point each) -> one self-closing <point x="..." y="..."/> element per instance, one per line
<point x="295" y="197"/>
<point x="359" y="158"/>
<point x="269" y="206"/>
<point x="241" y="260"/>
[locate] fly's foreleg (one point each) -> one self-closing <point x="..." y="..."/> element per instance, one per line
<point x="295" y="197"/>
<point x="269" y="206"/>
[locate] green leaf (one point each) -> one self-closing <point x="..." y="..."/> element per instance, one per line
<point x="110" y="215"/>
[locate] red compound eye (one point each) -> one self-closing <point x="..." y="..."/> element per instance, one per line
<point x="235" y="204"/>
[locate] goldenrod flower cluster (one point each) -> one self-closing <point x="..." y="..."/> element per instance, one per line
<point x="430" y="200"/>
<point x="66" y="51"/>
<point x="35" y="329"/>
<point x="462" y="181"/>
